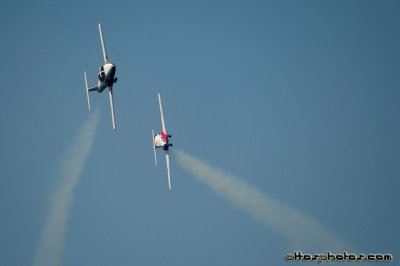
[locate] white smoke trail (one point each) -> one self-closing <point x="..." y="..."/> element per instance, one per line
<point x="301" y="230"/>
<point x="51" y="245"/>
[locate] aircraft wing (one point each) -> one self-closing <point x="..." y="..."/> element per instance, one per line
<point x="112" y="107"/>
<point x="169" y="174"/>
<point x="103" y="46"/>
<point x="162" y="115"/>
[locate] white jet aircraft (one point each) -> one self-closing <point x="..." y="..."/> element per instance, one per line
<point x="106" y="79"/>
<point x="162" y="141"/>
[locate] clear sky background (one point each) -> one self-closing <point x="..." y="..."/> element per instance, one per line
<point x="298" y="98"/>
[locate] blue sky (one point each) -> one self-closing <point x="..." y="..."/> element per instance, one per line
<point x="299" y="99"/>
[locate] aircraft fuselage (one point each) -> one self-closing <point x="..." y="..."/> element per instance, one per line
<point x="106" y="76"/>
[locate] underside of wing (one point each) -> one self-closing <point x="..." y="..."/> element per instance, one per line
<point x="162" y="115"/>
<point x="112" y="107"/>
<point x="168" y="170"/>
<point x="103" y="46"/>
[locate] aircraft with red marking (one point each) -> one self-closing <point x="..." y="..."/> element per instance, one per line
<point x="162" y="141"/>
<point x="106" y="78"/>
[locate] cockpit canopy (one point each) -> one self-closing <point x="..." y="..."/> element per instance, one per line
<point x="102" y="75"/>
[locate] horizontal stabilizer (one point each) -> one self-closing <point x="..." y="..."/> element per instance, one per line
<point x="87" y="90"/>
<point x="154" y="148"/>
